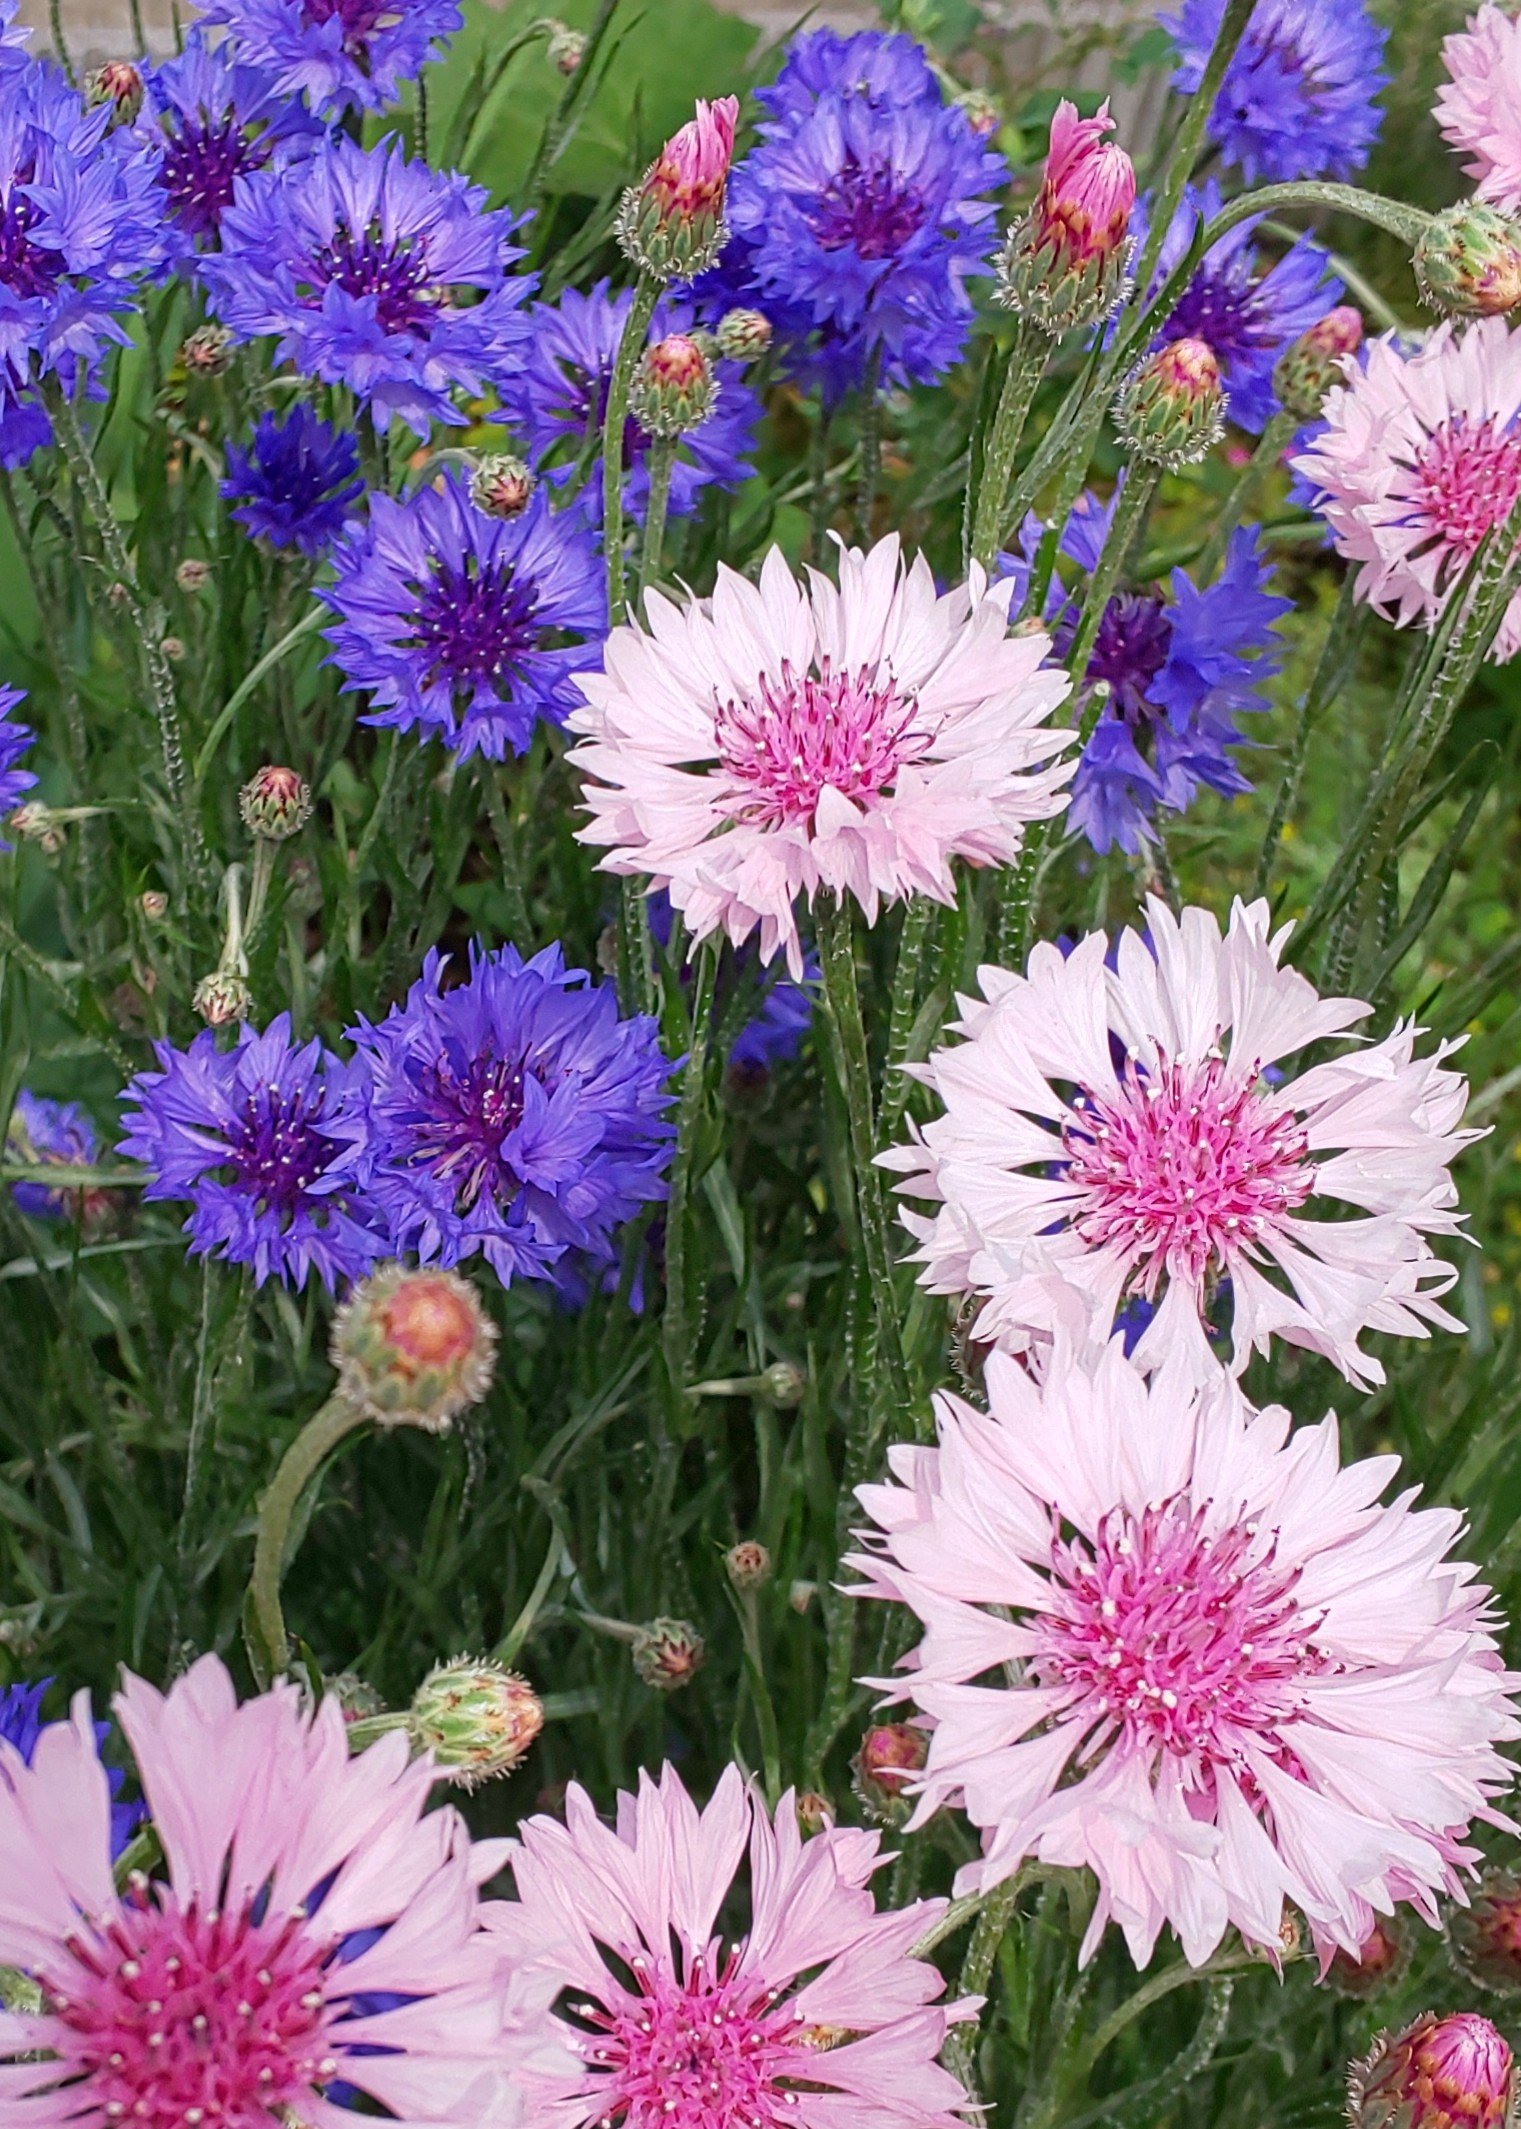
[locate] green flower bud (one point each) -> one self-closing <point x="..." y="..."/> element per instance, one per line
<point x="275" y="803"/>
<point x="477" y="1719"/>
<point x="221" y="998"/>
<point x="412" y="1348"/>
<point x="674" y="387"/>
<point x="1468" y="262"/>
<point x="1168" y="410"/>
<point x="668" y="1653"/>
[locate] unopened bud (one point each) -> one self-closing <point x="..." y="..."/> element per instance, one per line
<point x="1306" y="370"/>
<point x="566" y="48"/>
<point x="1169" y="409"/>
<point x="748" y="1564"/>
<point x="477" y="1719"/>
<point x="1468" y="261"/>
<point x="117" y="595"/>
<point x="1381" y="1961"/>
<point x="671" y="223"/>
<point x="154" y="905"/>
<point x="674" y="387"/>
<point x="275" y="803"/>
<point x="356" y="1697"/>
<point x="221" y="998"/>
<point x="501" y="485"/>
<point x="743" y="335"/>
<point x="173" y="648"/>
<point x="118" y="83"/>
<point x="1485" y="1937"/>
<point x="668" y="1654"/>
<point x="785" y="1384"/>
<point x="814" y="1812"/>
<point x="1439" y="2073"/>
<point x="800" y="1595"/>
<point x="412" y="1348"/>
<point x="1066" y="263"/>
<point x="207" y="351"/>
<point x="36" y="822"/>
<point x="889" y="1756"/>
<point x="193" y="574"/>
<point x="982" y="114"/>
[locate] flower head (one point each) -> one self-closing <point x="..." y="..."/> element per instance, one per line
<point x="817" y="2014"/>
<point x="464" y="625"/>
<point x="777" y="740"/>
<point x="1299" y="97"/>
<point x="1478" y="107"/>
<point x="477" y="1719"/>
<point x="207" y="122"/>
<point x="1439" y="2073"/>
<point x="1484" y="1937"/>
<point x="1171" y="1163"/>
<point x="1064" y="264"/>
<point x="275" y="803"/>
<point x="413" y="1348"/>
<point x="1307" y="369"/>
<point x="341" y="55"/>
<point x="672" y="223"/>
<point x="514" y="1115"/>
<point x="52" y="1134"/>
<point x="15" y="742"/>
<point x="1221" y="1676"/>
<point x="314" y="1927"/>
<point x="1468" y="261"/>
<point x="263" y="1140"/>
<point x="376" y="273"/>
<point x="21" y="1727"/>
<point x="296" y="483"/>
<point x="1168" y="411"/>
<point x="25" y="429"/>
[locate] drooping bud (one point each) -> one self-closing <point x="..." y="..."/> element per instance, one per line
<point x="671" y="223"/>
<point x="668" y="1654"/>
<point x="502" y="486"/>
<point x="120" y="84"/>
<point x="173" y="648"/>
<point x="357" y="1699"/>
<point x="748" y="1564"/>
<point x="1168" y="410"/>
<point x="1468" y="261"/>
<point x="412" y="1348"/>
<point x="674" y="387"/>
<point x="193" y="574"/>
<point x="477" y="1719"/>
<point x="1439" y="2073"/>
<point x="1066" y="263"/>
<point x="743" y="335"/>
<point x="1310" y="365"/>
<point x="889" y="1754"/>
<point x="36" y="822"/>
<point x="1485" y="1937"/>
<point x="154" y="904"/>
<point x="786" y="1384"/>
<point x="566" y="48"/>
<point x="275" y="803"/>
<point x="814" y="1812"/>
<point x="207" y="351"/>
<point x="222" y="997"/>
<point x="1381" y="1961"/>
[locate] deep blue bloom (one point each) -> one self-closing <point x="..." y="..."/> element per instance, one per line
<point x="15" y="739"/>
<point x="1299" y="97"/>
<point x="21" y="1725"/>
<point x="514" y="1115"/>
<point x="866" y="203"/>
<point x="341" y="55"/>
<point x="81" y="223"/>
<point x="58" y="1133"/>
<point x="25" y="429"/>
<point x="263" y="1139"/>
<point x="296" y="483"/>
<point x="555" y="396"/>
<point x="208" y="122"/>
<point x="465" y="625"/>
<point x="360" y="269"/>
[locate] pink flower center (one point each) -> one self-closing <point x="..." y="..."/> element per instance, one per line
<point x="1183" y="1168"/>
<point x="179" y="2019"/>
<point x="785" y="744"/>
<point x="1185" y="1642"/>
<point x="1467" y="481"/>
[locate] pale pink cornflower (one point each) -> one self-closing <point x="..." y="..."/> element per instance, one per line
<point x="1126" y="1135"/>
<point x="778" y="740"/>
<point x="314" y="1928"/>
<point x="1170" y="1640"/>
<point x="1478" y="107"/>
<point x="814" y="2016"/>
<point x="1418" y="459"/>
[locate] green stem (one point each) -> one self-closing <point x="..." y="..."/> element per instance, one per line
<point x="871" y="445"/>
<point x="630" y="347"/>
<point x="11" y="942"/>
<point x="662" y="459"/>
<point x="1130" y="507"/>
<point x="55" y="27"/>
<point x="818" y="484"/>
<point x="993" y="1922"/>
<point x="917" y="918"/>
<point x="1337" y="655"/>
<point x="1022" y="374"/>
<point x="359" y="855"/>
<point x="1270" y="449"/>
<point x="298" y="1467"/>
<point x="513" y="883"/>
<point x="677" y="1329"/>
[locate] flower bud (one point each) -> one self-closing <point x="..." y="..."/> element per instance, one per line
<point x="814" y="1812"/>
<point x="981" y="112"/>
<point x="357" y="1699"/>
<point x="1066" y="263"/>
<point x="501" y="485"/>
<point x="118" y="83"/>
<point x="1307" y="369"/>
<point x="154" y="904"/>
<point x="671" y="224"/>
<point x="207" y="351"/>
<point x="36" y="822"/>
<point x="668" y="1654"/>
<point x="477" y="1719"/>
<point x="800" y="1595"/>
<point x="1439" y="2073"/>
<point x="412" y="1348"/>
<point x="1468" y="261"/>
<point x="1168" y="410"/>
<point x="674" y="387"/>
<point x="221" y="998"/>
<point x="785" y="1384"/>
<point x="173" y="648"/>
<point x="889" y="1754"/>
<point x="1380" y="1962"/>
<point x="275" y="803"/>
<point x="748" y="1564"/>
<point x="1484" y="1938"/>
<point x="566" y="48"/>
<point x="193" y="574"/>
<point x="743" y="335"/>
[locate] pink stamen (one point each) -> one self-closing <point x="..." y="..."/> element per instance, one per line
<point x="1467" y="481"/>
<point x="785" y="744"/>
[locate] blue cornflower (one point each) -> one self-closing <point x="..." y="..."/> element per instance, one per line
<point x="866" y="203"/>
<point x="13" y="41"/>
<point x="554" y="397"/>
<point x="207" y="122"/>
<point x="1299" y="97"/>
<point x="342" y="55"/>
<point x="81" y="222"/>
<point x="360" y="269"/>
<point x="296" y="483"/>
<point x="263" y="1140"/>
<point x="15" y="739"/>
<point x="58" y="1133"/>
<point x="21" y="1725"/>
<point x="25" y="429"/>
<point x="514" y="1115"/>
<point x="466" y="625"/>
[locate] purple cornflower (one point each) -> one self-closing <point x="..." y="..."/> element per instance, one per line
<point x="554" y="398"/>
<point x="15" y="739"/>
<point x="56" y="1134"/>
<point x="21" y="1724"/>
<point x="13" y="41"/>
<point x="360" y="269"/>
<point x="1299" y="96"/>
<point x="296" y="483"/>
<point x="81" y="223"/>
<point x="207" y="122"/>
<point x="25" y="429"/>
<point x="263" y="1139"/>
<point x="515" y="1115"/>
<point x="866" y="203"/>
<point x="342" y="55"/>
<point x="465" y="625"/>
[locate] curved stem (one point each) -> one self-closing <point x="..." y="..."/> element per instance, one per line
<point x="298" y="1467"/>
<point x="630" y="345"/>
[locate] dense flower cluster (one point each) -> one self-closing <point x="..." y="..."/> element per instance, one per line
<point x="339" y="55"/>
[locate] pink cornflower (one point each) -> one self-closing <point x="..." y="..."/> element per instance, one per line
<point x="314" y="1929"/>
<point x="1478" y="107"/>
<point x="689" y="175"/>
<point x="779" y="739"/>
<point x="1170" y="1640"/>
<point x="1124" y="1136"/>
<point x="1420" y="458"/>
<point x="815" y="2016"/>
<point x="1088" y="188"/>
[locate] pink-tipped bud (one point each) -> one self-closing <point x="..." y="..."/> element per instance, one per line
<point x="502" y="486"/>
<point x="743" y="334"/>
<point x="476" y="1718"/>
<point x="1168" y="411"/>
<point x="566" y="48"/>
<point x="1065" y="265"/>
<point x="1381" y="1960"/>
<point x="671" y="223"/>
<point x="1439" y="2073"/>
<point x="208" y="351"/>
<point x="120" y="84"/>
<point x="275" y="803"/>
<point x="748" y="1564"/>
<point x="1306" y="370"/>
<point x="193" y="575"/>
<point x="674" y="386"/>
<point x="412" y="1348"/>
<point x="1468" y="261"/>
<point x="889" y="1755"/>
<point x="668" y="1654"/>
<point x="222" y="997"/>
<point x="1485" y="1937"/>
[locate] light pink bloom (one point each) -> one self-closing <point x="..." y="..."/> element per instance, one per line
<point x="1118" y="1133"/>
<point x="1479" y="106"/>
<point x="816" y="2017"/>
<point x="234" y="1990"/>
<point x="1088" y="188"/>
<point x="1169" y="1639"/>
<point x="778" y="739"/>
<point x="689" y="176"/>
<point x="1419" y="458"/>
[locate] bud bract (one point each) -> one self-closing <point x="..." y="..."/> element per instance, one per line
<point x="477" y="1719"/>
<point x="193" y="574"/>
<point x="889" y="1754"/>
<point x="668" y="1653"/>
<point x="785" y="1384"/>
<point x="1310" y="365"/>
<point x="1066" y="263"/>
<point x="118" y="83"/>
<point x="501" y="485"/>
<point x="748" y="1564"/>
<point x="412" y="1348"/>
<point x="1468" y="261"/>
<point x="36" y="822"/>
<point x="566" y="47"/>
<point x="1381" y="1961"/>
<point x="1169" y="409"/>
<point x="814" y="1812"/>
<point x="1485" y="1937"/>
<point x="222" y="997"/>
<point x="743" y="334"/>
<point x="671" y="223"/>
<point x="207" y="351"/>
<point x="674" y="387"/>
<point x="275" y="803"/>
<point x="1438" y="2073"/>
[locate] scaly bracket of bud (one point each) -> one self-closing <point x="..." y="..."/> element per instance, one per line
<point x="275" y="803"/>
<point x="1468" y="261"/>
<point x="476" y="1718"/>
<point x="1307" y="369"/>
<point x="412" y="1348"/>
<point x="1438" y="2073"/>
<point x="668" y="1654"/>
<point x="889" y="1754"/>
<point x="502" y="485"/>
<point x="1169" y="410"/>
<point x="120" y="84"/>
<point x="674" y="387"/>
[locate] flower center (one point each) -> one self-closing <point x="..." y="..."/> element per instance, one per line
<point x="200" y="165"/>
<point x="392" y="270"/>
<point x="27" y="269"/>
<point x="474" y="624"/>
<point x="178" y="2018"/>
<point x="786" y="743"/>
<point x="1131" y="648"/>
<point x="277" y="1154"/>
<point x="866" y="207"/>
<point x="1184" y="1167"/>
<point x="1188" y="1643"/>
<point x="468" y="1109"/>
<point x="1224" y="312"/>
<point x="1467" y="481"/>
<point x="360" y="19"/>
